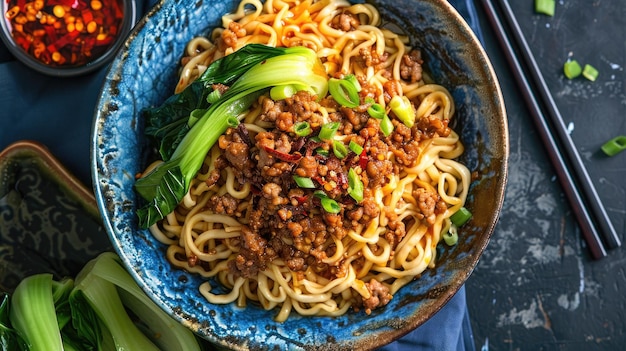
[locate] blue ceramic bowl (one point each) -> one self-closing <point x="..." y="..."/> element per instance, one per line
<point x="144" y="74"/>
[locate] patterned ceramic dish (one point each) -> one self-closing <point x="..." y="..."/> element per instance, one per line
<point x="49" y="221"/>
<point x="144" y="74"/>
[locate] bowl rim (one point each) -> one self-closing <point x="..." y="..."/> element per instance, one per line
<point x="479" y="246"/>
<point x="126" y="27"/>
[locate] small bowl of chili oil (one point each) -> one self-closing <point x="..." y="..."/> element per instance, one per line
<point x="66" y="37"/>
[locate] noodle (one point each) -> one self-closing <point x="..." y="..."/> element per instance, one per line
<point x="274" y="245"/>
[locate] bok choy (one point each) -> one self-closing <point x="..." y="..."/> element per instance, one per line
<point x="165" y="186"/>
<point x="89" y="313"/>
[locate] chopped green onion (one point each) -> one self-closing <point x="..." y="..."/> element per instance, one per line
<point x="320" y="151"/>
<point x="355" y="147"/>
<point x="304" y="182"/>
<point x="615" y="145"/>
<point x="376" y="111"/>
<point x="344" y="92"/>
<point x="590" y="72"/>
<point x="572" y="69"/>
<point x="329" y="205"/>
<point x="339" y="149"/>
<point x="281" y="92"/>
<point x="213" y="96"/>
<point x="451" y="237"/>
<point x="461" y="216"/>
<point x="302" y="129"/>
<point x="401" y="106"/>
<point x="232" y="121"/>
<point x="352" y="79"/>
<point x="545" y="7"/>
<point x="355" y="186"/>
<point x="386" y="126"/>
<point x="328" y="130"/>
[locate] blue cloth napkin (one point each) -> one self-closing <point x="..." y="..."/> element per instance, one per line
<point x="58" y="112"/>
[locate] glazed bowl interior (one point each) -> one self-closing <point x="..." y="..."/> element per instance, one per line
<point x="144" y="73"/>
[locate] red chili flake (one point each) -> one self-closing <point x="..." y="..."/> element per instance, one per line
<point x="283" y="156"/>
<point x="71" y="36"/>
<point x="363" y="159"/>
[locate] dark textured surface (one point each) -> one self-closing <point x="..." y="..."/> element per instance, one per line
<point x="536" y="287"/>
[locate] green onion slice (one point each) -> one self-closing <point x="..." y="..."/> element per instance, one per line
<point x="213" y="96"/>
<point x="546" y="7"/>
<point x="320" y="151"/>
<point x="355" y="147"/>
<point x="329" y="205"/>
<point x="355" y="82"/>
<point x="572" y="69"/>
<point x="376" y="111"/>
<point x="615" y="145"/>
<point x="355" y="186"/>
<point x="339" y="149"/>
<point x="461" y="217"/>
<point x="328" y="130"/>
<point x="451" y="237"/>
<point x="302" y="129"/>
<point x="401" y="106"/>
<point x="344" y="92"/>
<point x="232" y="121"/>
<point x="304" y="182"/>
<point x="386" y="126"/>
<point x="590" y="72"/>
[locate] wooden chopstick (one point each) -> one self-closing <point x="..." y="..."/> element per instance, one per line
<point x="552" y="144"/>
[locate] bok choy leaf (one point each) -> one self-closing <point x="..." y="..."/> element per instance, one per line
<point x="165" y="186"/>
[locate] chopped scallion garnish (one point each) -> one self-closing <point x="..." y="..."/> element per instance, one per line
<point x="344" y="91"/>
<point x="572" y="69"/>
<point x="329" y="205"/>
<point x="403" y="109"/>
<point x="304" y="182"/>
<point x="328" y="130"/>
<point x="302" y="129"/>
<point x="213" y="96"/>
<point x="451" y="237"/>
<point x="546" y="7"/>
<point x="339" y="149"/>
<point x="355" y="147"/>
<point x="376" y="111"/>
<point x="615" y="145"/>
<point x="386" y="126"/>
<point x="461" y="216"/>
<point x="590" y="72"/>
<point x="355" y="185"/>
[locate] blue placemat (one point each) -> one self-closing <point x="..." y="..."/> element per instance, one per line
<point x="58" y="112"/>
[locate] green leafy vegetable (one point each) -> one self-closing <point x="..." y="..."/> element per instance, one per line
<point x="170" y="121"/>
<point x="88" y="314"/>
<point x="164" y="187"/>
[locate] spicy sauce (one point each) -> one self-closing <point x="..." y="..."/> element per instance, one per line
<point x="64" y="32"/>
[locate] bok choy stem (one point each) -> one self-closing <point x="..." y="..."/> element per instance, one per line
<point x="165" y="186"/>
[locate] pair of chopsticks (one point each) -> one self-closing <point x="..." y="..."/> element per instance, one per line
<point x="592" y="218"/>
